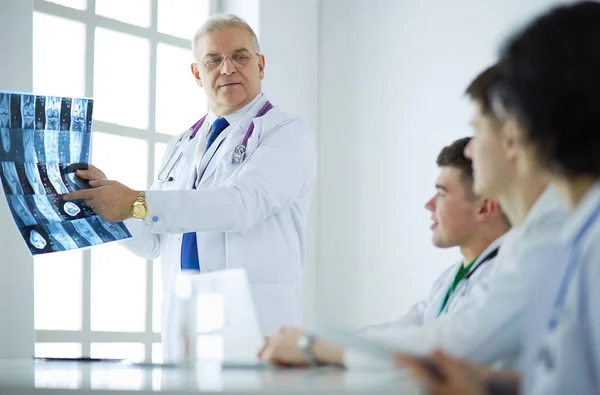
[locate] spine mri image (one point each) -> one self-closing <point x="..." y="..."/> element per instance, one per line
<point x="44" y="139"/>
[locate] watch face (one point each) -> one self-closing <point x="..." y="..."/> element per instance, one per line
<point x="138" y="210"/>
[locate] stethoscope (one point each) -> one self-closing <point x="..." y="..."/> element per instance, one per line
<point x="237" y="156"/>
<point x="491" y="255"/>
<point x="487" y="258"/>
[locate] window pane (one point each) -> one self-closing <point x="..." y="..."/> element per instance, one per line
<point x="121" y="77"/>
<point x="124" y="159"/>
<point x="118" y="294"/>
<point x="181" y="18"/>
<point x="159" y="154"/>
<point x="157" y="353"/>
<point x="136" y="12"/>
<point x="156" y="296"/>
<point x="179" y="101"/>
<point x="58" y="291"/>
<point x="131" y="351"/>
<point x="57" y="38"/>
<point x="77" y="4"/>
<point x="58" y="350"/>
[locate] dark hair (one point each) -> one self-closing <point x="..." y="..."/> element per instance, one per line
<point x="551" y="73"/>
<point x="479" y="89"/>
<point x="454" y="156"/>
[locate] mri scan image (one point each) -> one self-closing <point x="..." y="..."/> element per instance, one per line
<point x="78" y="115"/>
<point x="10" y="179"/>
<point x="40" y="112"/>
<point x="5" y="124"/>
<point x="95" y="223"/>
<point x="28" y="111"/>
<point x="117" y="229"/>
<point x="39" y="145"/>
<point x="51" y="140"/>
<point x="21" y="211"/>
<point x="37" y="240"/>
<point x="5" y="135"/>
<point x="72" y="209"/>
<point x="65" y="114"/>
<point x="16" y="119"/>
<point x="43" y="140"/>
<point x="43" y="209"/>
<point x="4" y="110"/>
<point x="76" y="144"/>
<point x="64" y="147"/>
<point x="53" y="113"/>
<point x="33" y="176"/>
<point x="85" y="230"/>
<point x="53" y="171"/>
<point x="60" y="234"/>
<point x="29" y="152"/>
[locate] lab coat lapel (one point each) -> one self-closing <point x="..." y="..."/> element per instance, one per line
<point x="190" y="152"/>
<point x="222" y="145"/>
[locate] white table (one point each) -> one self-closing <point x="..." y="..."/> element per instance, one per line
<point x="104" y="378"/>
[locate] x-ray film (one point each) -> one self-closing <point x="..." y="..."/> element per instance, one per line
<point x="43" y="141"/>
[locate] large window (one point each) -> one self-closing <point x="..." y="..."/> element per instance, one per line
<point x="133" y="57"/>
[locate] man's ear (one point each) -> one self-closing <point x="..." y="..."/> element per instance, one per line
<point x="510" y="136"/>
<point x="487" y="209"/>
<point x="261" y="66"/>
<point x="196" y="74"/>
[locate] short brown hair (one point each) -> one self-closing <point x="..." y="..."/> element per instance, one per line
<point x="479" y="89"/>
<point x="454" y="156"/>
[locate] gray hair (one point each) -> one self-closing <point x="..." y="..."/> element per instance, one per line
<point x="221" y="22"/>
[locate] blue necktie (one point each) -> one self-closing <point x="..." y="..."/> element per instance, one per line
<point x="189" y="244"/>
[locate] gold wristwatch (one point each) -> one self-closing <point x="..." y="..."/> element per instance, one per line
<point x="139" y="208"/>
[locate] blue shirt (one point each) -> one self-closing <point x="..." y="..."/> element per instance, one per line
<point x="566" y="359"/>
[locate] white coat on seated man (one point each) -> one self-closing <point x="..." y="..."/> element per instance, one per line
<point x="460" y="219"/>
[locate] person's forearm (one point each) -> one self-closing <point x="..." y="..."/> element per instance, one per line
<point x="327" y="353"/>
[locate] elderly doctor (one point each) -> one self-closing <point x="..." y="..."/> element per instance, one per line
<point x="234" y="190"/>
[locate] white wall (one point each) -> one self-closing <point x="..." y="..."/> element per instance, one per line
<point x="16" y="265"/>
<point x="392" y="76"/>
<point x="381" y="82"/>
<point x="289" y="33"/>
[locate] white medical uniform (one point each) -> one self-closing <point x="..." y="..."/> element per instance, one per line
<point x="250" y="215"/>
<point x="566" y="359"/>
<point x="484" y="320"/>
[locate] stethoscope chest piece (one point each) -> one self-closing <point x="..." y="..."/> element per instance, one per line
<point x="239" y="154"/>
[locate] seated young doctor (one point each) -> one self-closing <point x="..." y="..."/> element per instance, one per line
<point x="234" y="190"/>
<point x="460" y="218"/>
<point x="548" y="98"/>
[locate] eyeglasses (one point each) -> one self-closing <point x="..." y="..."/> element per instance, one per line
<point x="238" y="58"/>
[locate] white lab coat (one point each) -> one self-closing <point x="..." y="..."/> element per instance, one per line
<point x="566" y="360"/>
<point x="484" y="322"/>
<point x="428" y="309"/>
<point x="250" y="215"/>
